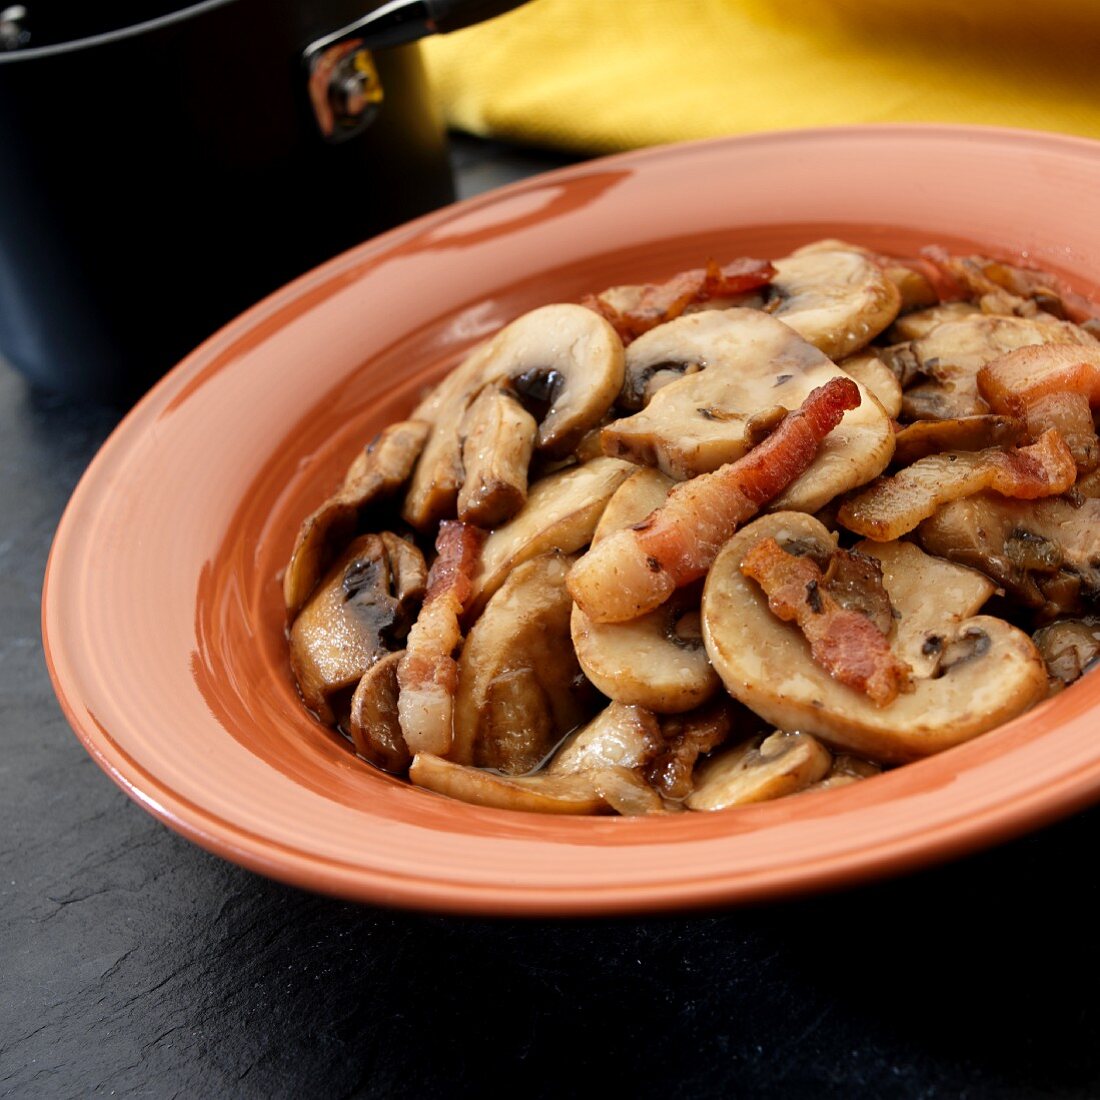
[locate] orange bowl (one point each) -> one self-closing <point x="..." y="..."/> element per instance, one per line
<point x="162" y="613"/>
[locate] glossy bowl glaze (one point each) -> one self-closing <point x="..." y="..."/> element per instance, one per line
<point x="162" y="612"/>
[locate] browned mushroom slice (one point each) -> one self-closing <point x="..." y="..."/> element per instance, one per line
<point x="689" y="736"/>
<point x="846" y="769"/>
<point x="373" y="723"/>
<point x="967" y="433"/>
<point x="362" y="609"/>
<point x="520" y="688"/>
<point x="657" y="660"/>
<point x="893" y="506"/>
<point x="1045" y="553"/>
<point x="619" y="736"/>
<point x="562" y="358"/>
<point x="1069" y="647"/>
<point x="548" y="794"/>
<point x="498" y="439"/>
<point x="909" y="276"/>
<point x="970" y="672"/>
<point x="754" y="365"/>
<point x="914" y="326"/>
<point x="759" y="770"/>
<point x="952" y="353"/>
<point x="377" y="472"/>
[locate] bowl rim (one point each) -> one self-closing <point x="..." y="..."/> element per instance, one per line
<point x="353" y="880"/>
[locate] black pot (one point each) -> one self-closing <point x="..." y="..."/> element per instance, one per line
<point x="158" y="177"/>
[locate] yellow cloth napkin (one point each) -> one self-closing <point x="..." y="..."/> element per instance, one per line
<point x="597" y="76"/>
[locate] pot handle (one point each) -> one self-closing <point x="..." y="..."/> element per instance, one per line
<point x="344" y="88"/>
<point x="401" y="21"/>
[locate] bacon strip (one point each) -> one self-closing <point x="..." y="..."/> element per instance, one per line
<point x="633" y="571"/>
<point x="428" y="673"/>
<point x="894" y="505"/>
<point x="632" y="310"/>
<point x="845" y="643"/>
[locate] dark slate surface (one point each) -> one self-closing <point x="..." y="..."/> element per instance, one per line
<point x="134" y="964"/>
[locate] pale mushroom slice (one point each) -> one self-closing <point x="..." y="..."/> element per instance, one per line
<point x="985" y="671"/>
<point x="909" y="276"/>
<point x="875" y="377"/>
<point x="759" y="770"/>
<point x="619" y="736"/>
<point x="561" y="513"/>
<point x="755" y="366"/>
<point x="914" y="326"/>
<point x="362" y="609"/>
<point x="520" y="688"/>
<point x="562" y="358"/>
<point x="378" y="472"/>
<point x="656" y="660"/>
<point x="953" y="352"/>
<point x="837" y="299"/>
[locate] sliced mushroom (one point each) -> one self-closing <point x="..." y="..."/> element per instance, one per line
<point x="914" y="326"/>
<point x="561" y="513"/>
<point x="846" y="769"/>
<point x="967" y="433"/>
<point x="377" y="472"/>
<point x="837" y="299"/>
<point x="619" y="736"/>
<point x="520" y="689"/>
<point x="910" y="277"/>
<point x="373" y="723"/>
<point x="498" y="439"/>
<point x="657" y="660"/>
<point x="689" y="736"/>
<point x="988" y="672"/>
<point x="875" y="377"/>
<point x="563" y="358"/>
<point x="362" y="610"/>
<point x="754" y="364"/>
<point x="953" y="352"/>
<point x="548" y="794"/>
<point x="1069" y="647"/>
<point x="1044" y="553"/>
<point x="759" y="770"/>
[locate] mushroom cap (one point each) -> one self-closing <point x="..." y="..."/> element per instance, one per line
<point x="520" y="688"/>
<point x="656" y="660"/>
<point x="754" y="364"/>
<point x="837" y="299"/>
<point x="759" y="770"/>
<point x="988" y="671"/>
<point x="561" y="513"/>
<point x="373" y="721"/>
<point x="562" y="355"/>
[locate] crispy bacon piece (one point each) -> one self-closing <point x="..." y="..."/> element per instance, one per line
<point x="850" y="647"/>
<point x="1051" y="386"/>
<point x="632" y="310"/>
<point x="894" y="505"/>
<point x="428" y="673"/>
<point x="1012" y="382"/>
<point x="977" y="276"/>
<point x="637" y="569"/>
<point x="686" y="738"/>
